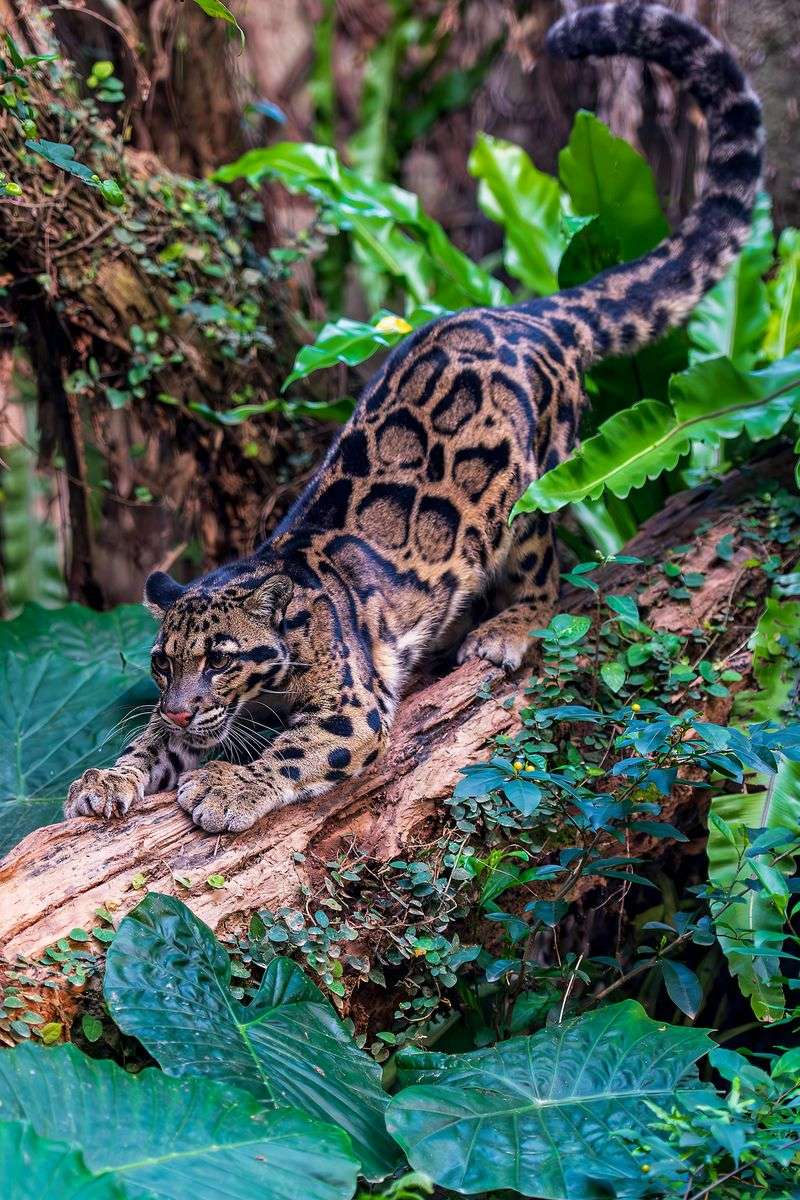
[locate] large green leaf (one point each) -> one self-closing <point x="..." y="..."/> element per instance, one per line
<point x="757" y="920"/>
<point x="604" y="176"/>
<point x="527" y="203"/>
<point x="783" y="327"/>
<point x="732" y="318"/>
<point x="175" y="1139"/>
<point x="69" y="681"/>
<point x="352" y="342"/>
<point x="35" y="1168"/>
<point x="710" y="402"/>
<point x="56" y="719"/>
<point x="539" y="1114"/>
<point x="389" y="224"/>
<point x="168" y="983"/>
<point x="121" y="638"/>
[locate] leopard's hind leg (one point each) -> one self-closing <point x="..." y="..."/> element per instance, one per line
<point x="527" y="593"/>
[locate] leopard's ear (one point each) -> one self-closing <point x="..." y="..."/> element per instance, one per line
<point x="160" y="593"/>
<point x="270" y="598"/>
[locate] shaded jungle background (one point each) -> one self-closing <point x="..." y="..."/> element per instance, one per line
<point x="119" y="451"/>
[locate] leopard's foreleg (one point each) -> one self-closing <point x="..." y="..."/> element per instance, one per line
<point x="152" y="762"/>
<point x="344" y="733"/>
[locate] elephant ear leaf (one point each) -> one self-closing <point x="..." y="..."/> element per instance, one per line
<point x="153" y="1136"/>
<point x="36" y="1168"/>
<point x="69" y="682"/>
<point x="546" y="1115"/>
<point x="168" y="983"/>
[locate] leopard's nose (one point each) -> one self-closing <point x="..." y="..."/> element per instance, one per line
<point x="181" y="719"/>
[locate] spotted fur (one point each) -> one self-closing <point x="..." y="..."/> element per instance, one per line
<point x="405" y="524"/>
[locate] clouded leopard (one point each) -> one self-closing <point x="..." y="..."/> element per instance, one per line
<point x="405" y="523"/>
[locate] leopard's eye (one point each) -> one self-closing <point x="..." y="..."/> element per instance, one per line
<point x="216" y="659"/>
<point x="160" y="661"/>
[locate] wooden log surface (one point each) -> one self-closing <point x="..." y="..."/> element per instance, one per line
<point x="56" y="878"/>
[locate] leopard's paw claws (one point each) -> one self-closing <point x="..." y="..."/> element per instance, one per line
<point x="103" y="793"/>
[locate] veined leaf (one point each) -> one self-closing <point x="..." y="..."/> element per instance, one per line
<point x="783" y="326"/>
<point x="388" y="223"/>
<point x="154" y="1136"/>
<point x="538" y="1114"/>
<point x="35" y="1168"/>
<point x="604" y="175"/>
<point x="120" y="638"/>
<point x="634" y="445"/>
<point x="711" y="401"/>
<point x="759" y="920"/>
<point x="351" y="342"/>
<point x="527" y="203"/>
<point x="731" y="319"/>
<point x="683" y="987"/>
<point x="60" y="710"/>
<point x="168" y="983"/>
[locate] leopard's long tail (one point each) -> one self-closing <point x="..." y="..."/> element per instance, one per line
<point x="628" y="306"/>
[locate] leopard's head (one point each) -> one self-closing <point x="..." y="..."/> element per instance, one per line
<point x="217" y="649"/>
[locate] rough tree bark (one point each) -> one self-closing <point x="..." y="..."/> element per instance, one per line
<point x="58" y="876"/>
<point x="80" y="280"/>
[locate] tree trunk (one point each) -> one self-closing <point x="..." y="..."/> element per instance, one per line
<point x="85" y="284"/>
<point x="56" y="878"/>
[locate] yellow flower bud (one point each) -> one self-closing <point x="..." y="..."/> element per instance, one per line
<point x="636" y="707"/>
<point x="517" y="765"/>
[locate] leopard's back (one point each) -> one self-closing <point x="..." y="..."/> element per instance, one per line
<point x="412" y="503"/>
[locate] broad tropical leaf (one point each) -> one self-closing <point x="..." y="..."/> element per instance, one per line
<point x="758" y="921"/>
<point x="121" y="638"/>
<point x="168" y="983"/>
<point x="527" y="203"/>
<point x="389" y="224"/>
<point x="538" y="1115"/>
<point x="173" y="1139"/>
<point x="710" y="402"/>
<point x="35" y="1168"/>
<point x="370" y="149"/>
<point x="604" y="176"/>
<point x="56" y="719"/>
<point x="783" y="327"/>
<point x="732" y="318"/>
<point x="66" y="708"/>
<point x="632" y="446"/>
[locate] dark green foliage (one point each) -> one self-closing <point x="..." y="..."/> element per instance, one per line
<point x="543" y="1115"/>
<point x="154" y="1136"/>
<point x="74" y="684"/>
<point x="168" y="983"/>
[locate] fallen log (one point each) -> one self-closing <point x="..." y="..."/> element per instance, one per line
<point x="58" y="876"/>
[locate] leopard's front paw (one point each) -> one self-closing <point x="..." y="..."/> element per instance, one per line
<point x="221" y="797"/>
<point x="500" y="646"/>
<point x="104" y="792"/>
